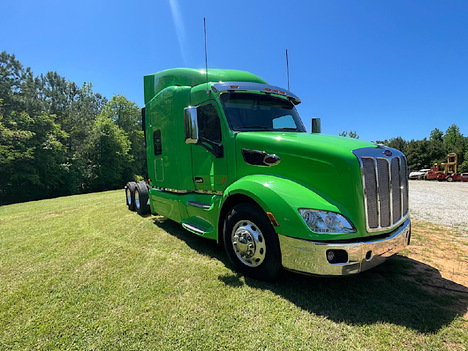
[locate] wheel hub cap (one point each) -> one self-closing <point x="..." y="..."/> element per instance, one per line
<point x="137" y="199"/>
<point x="248" y="243"/>
<point x="129" y="196"/>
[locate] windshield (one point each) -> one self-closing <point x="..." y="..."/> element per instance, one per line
<point x="256" y="112"/>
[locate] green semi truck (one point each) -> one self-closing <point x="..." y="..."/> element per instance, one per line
<point x="229" y="158"/>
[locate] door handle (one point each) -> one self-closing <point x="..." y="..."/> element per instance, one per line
<point x="198" y="180"/>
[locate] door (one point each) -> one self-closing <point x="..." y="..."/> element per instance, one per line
<point x="209" y="164"/>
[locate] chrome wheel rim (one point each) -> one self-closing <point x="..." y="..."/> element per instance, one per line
<point x="137" y="199"/>
<point x="129" y="196"/>
<point x="248" y="243"/>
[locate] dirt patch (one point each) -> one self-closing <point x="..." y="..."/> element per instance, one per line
<point x="443" y="252"/>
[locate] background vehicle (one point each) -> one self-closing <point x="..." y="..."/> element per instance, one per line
<point x="447" y="171"/>
<point x="229" y="159"/>
<point x="419" y="174"/>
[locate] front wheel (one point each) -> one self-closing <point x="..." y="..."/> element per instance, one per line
<point x="251" y="243"/>
<point x="450" y="179"/>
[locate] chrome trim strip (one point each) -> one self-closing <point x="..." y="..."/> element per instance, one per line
<point x="311" y="257"/>
<point x="199" y="205"/>
<point x="168" y="190"/>
<point x="377" y="189"/>
<point x="193" y="228"/>
<point x="210" y="192"/>
<point x="179" y="191"/>
<point x="391" y="190"/>
<point x="225" y="86"/>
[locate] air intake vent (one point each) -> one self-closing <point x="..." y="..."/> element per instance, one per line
<point x="385" y="187"/>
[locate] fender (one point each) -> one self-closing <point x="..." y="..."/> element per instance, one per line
<point x="283" y="197"/>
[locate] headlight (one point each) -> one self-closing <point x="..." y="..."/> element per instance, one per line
<point x="326" y="222"/>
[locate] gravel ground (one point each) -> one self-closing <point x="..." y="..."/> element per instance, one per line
<point x="439" y="202"/>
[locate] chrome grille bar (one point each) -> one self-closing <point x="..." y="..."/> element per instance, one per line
<point x="384" y="191"/>
<point x="370" y="192"/>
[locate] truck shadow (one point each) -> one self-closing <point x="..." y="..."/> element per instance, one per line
<point x="401" y="291"/>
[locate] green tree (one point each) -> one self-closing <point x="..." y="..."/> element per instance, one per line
<point x="436" y="135"/>
<point x="464" y="165"/>
<point x="436" y="148"/>
<point x="127" y="116"/>
<point x="417" y="154"/>
<point x="15" y="158"/>
<point x="11" y="79"/>
<point x="454" y="141"/>
<point x="107" y="155"/>
<point x="50" y="157"/>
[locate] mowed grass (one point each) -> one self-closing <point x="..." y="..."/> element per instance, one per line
<point x="83" y="272"/>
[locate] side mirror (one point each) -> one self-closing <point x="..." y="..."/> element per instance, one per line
<point x="191" y="125"/>
<point x="316" y="125"/>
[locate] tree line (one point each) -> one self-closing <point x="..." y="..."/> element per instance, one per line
<point x="58" y="138"/>
<point x="426" y="152"/>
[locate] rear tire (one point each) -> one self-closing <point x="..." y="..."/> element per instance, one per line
<point x="450" y="179"/>
<point x="130" y="195"/>
<point x="141" y="198"/>
<point x="251" y="243"/>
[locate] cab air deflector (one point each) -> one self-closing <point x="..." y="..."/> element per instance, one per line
<point x="264" y="88"/>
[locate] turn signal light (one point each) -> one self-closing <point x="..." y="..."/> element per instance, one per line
<point x="272" y="219"/>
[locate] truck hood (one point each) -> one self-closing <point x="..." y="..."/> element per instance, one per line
<point x="302" y="144"/>
<point x="323" y="163"/>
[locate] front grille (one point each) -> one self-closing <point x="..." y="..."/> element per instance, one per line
<point x="385" y="187"/>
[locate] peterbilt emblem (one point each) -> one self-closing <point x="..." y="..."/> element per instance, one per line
<point x="388" y="153"/>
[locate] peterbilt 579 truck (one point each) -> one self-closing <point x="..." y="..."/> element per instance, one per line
<point x="229" y="158"/>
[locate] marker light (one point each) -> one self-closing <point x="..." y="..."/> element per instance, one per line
<point x="326" y="222"/>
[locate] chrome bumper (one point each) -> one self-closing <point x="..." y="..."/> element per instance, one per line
<point x="311" y="257"/>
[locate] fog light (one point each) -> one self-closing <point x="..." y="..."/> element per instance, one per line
<point x="337" y="256"/>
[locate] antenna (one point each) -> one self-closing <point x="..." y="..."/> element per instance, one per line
<point x="206" y="58"/>
<point x="287" y="66"/>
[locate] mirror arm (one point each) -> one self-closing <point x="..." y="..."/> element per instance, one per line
<point x="216" y="149"/>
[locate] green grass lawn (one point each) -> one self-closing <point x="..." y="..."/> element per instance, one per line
<point x="83" y="272"/>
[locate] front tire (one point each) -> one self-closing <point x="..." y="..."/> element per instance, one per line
<point x="251" y="243"/>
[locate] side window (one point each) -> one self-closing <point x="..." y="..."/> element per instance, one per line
<point x="157" y="142"/>
<point x="208" y="123"/>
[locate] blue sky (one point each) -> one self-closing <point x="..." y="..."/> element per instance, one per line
<point x="381" y="68"/>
